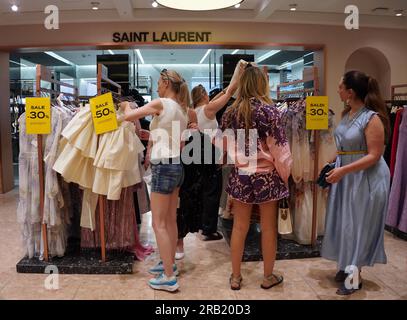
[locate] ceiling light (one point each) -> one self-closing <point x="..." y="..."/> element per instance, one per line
<point x="20" y="64"/>
<point x="110" y="51"/>
<point x="236" y="51"/>
<point x="399" y="13"/>
<point x="140" y="56"/>
<point x="237" y="6"/>
<point x="56" y="56"/>
<point x="293" y="7"/>
<point x="290" y="64"/>
<point x="154" y="4"/>
<point x="267" y="55"/>
<point x="204" y="57"/>
<point x="14" y="8"/>
<point x="95" y="5"/>
<point x="199" y="5"/>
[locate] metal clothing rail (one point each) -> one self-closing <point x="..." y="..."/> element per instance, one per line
<point x="102" y="76"/>
<point x="399" y="94"/>
<point x="44" y="74"/>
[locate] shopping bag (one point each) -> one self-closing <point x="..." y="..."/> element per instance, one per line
<point x="284" y="218"/>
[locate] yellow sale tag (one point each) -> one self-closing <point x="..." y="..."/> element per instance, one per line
<point x="103" y="113"/>
<point x="317" y="113"/>
<point x="38" y="115"/>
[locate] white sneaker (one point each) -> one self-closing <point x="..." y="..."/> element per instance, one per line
<point x="162" y="282"/>
<point x="179" y="255"/>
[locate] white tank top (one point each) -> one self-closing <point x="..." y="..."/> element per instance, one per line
<point x="166" y="130"/>
<point x="203" y="121"/>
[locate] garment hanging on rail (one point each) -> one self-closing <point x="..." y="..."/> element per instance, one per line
<point x="99" y="168"/>
<point x="301" y="143"/>
<point x="397" y="211"/>
<point x="28" y="212"/>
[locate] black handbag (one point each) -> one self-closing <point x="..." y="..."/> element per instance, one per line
<point x="322" y="176"/>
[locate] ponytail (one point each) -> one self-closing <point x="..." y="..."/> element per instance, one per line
<point x="375" y="102"/>
<point x="180" y="88"/>
<point x="367" y="89"/>
<point x="183" y="96"/>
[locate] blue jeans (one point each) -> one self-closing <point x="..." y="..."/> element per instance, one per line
<point x="166" y="177"/>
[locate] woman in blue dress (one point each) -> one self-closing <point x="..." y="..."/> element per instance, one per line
<point x="357" y="204"/>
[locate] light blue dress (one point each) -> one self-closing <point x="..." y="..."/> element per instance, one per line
<point x="357" y="204"/>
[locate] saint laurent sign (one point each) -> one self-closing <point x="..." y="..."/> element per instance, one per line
<point x="123" y="37"/>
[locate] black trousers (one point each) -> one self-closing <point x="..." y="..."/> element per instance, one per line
<point x="211" y="193"/>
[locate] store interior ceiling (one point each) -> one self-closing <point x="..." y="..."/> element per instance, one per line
<point x="374" y="13"/>
<point x="155" y="56"/>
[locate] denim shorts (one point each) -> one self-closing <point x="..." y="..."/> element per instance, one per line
<point x="166" y="177"/>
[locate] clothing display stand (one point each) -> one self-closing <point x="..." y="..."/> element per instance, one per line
<point x="397" y="99"/>
<point x="102" y="76"/>
<point x="288" y="249"/>
<point x="75" y="260"/>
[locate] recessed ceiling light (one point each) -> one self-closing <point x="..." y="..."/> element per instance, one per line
<point x="198" y="5"/>
<point x="399" y="13"/>
<point x="204" y="57"/>
<point x="293" y="7"/>
<point x="95" y="5"/>
<point x="14" y="8"/>
<point x="140" y="56"/>
<point x="154" y="4"/>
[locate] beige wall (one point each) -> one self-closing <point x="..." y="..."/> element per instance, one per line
<point x="339" y="42"/>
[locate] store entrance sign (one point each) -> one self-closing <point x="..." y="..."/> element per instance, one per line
<point x="103" y="113"/>
<point x="191" y="36"/>
<point x="38" y="116"/>
<point x="317" y="113"/>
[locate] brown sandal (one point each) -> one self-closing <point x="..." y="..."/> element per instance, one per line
<point x="270" y="278"/>
<point x="235" y="283"/>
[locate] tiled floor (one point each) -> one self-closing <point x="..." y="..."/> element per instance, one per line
<point x="204" y="273"/>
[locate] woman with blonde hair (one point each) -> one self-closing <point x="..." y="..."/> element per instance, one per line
<point x="264" y="179"/>
<point x="170" y="119"/>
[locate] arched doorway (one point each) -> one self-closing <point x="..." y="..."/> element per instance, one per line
<point x="374" y="63"/>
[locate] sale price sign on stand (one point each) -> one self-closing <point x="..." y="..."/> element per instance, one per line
<point x="317" y="113"/>
<point x="38" y="116"/>
<point x="103" y="113"/>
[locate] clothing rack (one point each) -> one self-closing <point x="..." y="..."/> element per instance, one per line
<point x="44" y="74"/>
<point x="102" y="76"/>
<point x="394" y="95"/>
<point x="310" y="75"/>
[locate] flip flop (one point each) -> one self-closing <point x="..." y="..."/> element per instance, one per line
<point x="270" y="278"/>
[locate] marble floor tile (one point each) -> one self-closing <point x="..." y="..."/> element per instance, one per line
<point x="204" y="272"/>
<point x="90" y="292"/>
<point x="188" y="293"/>
<point x="10" y="292"/>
